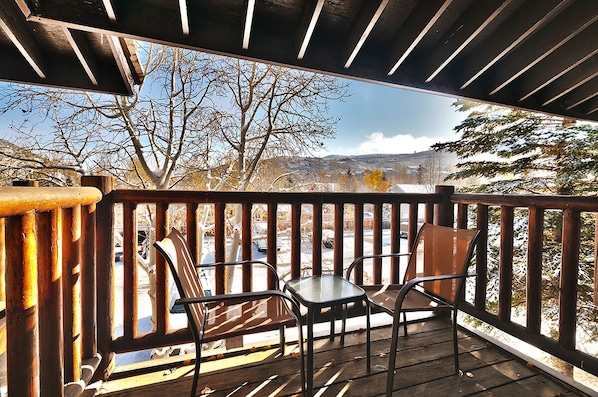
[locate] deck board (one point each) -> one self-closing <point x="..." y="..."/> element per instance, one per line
<point x="424" y="367"/>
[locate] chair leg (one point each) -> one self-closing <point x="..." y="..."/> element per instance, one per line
<point x="302" y="357"/>
<point x="404" y="323"/>
<point x="392" y="356"/>
<point x="196" y="370"/>
<point x="282" y="340"/>
<point x="455" y="344"/>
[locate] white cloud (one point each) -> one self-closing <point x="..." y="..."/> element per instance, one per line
<point x="402" y="143"/>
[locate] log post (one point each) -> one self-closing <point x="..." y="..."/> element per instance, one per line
<point x="445" y="210"/>
<point x="104" y="273"/>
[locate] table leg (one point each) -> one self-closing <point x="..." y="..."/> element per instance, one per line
<point x="368" y="337"/>
<point x="310" y="351"/>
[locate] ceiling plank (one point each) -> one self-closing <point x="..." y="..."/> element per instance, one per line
<point x="13" y="24"/>
<point x="80" y="44"/>
<point x="311" y="14"/>
<point x="524" y="22"/>
<point x="368" y="16"/>
<point x="248" y="22"/>
<point x="109" y="10"/>
<point x="184" y="17"/>
<point x="582" y="94"/>
<point x="421" y="20"/>
<point x="571" y="22"/>
<point x="561" y="61"/>
<point x="122" y="62"/>
<point x="584" y="73"/>
<point x="468" y="27"/>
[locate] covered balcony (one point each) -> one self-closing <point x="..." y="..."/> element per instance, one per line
<point x="70" y="311"/>
<point x="61" y="288"/>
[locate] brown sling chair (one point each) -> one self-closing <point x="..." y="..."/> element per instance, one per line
<point x="218" y="317"/>
<point x="433" y="281"/>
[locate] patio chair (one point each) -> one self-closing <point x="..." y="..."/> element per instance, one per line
<point x="219" y="317"/>
<point x="433" y="281"/>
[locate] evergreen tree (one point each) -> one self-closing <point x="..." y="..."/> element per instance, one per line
<point x="516" y="151"/>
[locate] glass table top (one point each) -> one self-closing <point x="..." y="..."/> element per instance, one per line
<point x="323" y="289"/>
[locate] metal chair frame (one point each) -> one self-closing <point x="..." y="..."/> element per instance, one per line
<point x="413" y="294"/>
<point x="200" y="308"/>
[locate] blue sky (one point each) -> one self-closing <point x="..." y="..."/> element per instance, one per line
<point x="383" y="119"/>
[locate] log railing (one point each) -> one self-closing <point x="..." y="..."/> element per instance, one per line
<point x="506" y="214"/>
<point x="57" y="256"/>
<point x="47" y="245"/>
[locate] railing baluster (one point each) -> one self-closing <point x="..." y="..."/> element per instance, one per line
<point x="339" y="230"/>
<point x="162" y="218"/>
<point x="316" y="258"/>
<point x="481" y="260"/>
<point x="358" y="247"/>
<point x="534" y="270"/>
<point x="295" y="240"/>
<point x="272" y="254"/>
<point x="246" y="244"/>
<point x="130" y="284"/>
<point x="506" y="263"/>
<point x="569" y="274"/>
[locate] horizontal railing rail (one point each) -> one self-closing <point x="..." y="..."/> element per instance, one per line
<point x="519" y="226"/>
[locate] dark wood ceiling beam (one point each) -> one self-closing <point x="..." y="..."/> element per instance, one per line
<point x="524" y="22"/>
<point x="13" y="24"/>
<point x="570" y="82"/>
<point x="109" y="10"/>
<point x="571" y="22"/>
<point x="311" y="14"/>
<point x="80" y="44"/>
<point x="563" y="60"/>
<point x="250" y="10"/>
<point x="419" y="23"/>
<point x="467" y="28"/>
<point x="592" y="106"/>
<point x="581" y="95"/>
<point x="184" y="17"/>
<point x="368" y="16"/>
<point x="122" y="62"/>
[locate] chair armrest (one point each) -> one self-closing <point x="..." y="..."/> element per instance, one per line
<point x="240" y="297"/>
<point x="362" y="258"/>
<point x="268" y="266"/>
<point x="418" y="280"/>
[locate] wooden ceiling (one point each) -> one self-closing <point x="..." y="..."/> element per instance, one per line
<point x="534" y="54"/>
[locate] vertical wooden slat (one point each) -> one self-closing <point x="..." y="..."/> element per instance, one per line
<point x="130" y="286"/>
<point x="162" y="226"/>
<point x="246" y="244"/>
<point x="429" y="215"/>
<point x="506" y="264"/>
<point x="339" y="227"/>
<point x="49" y="267"/>
<point x="2" y="261"/>
<point x="71" y="299"/>
<point x="462" y="216"/>
<point x="272" y="254"/>
<point x="89" y="299"/>
<point x="534" y="270"/>
<point x="569" y="275"/>
<point x="21" y="307"/>
<point x="358" y="247"/>
<point x="481" y="261"/>
<point x="295" y="240"/>
<point x="412" y="228"/>
<point x="395" y="241"/>
<point x="317" y="239"/>
<point x="377" y="242"/>
<point x="219" y="245"/>
<point x="193" y="237"/>
<point x="104" y="275"/>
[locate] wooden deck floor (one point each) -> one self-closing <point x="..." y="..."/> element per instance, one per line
<point x="424" y="368"/>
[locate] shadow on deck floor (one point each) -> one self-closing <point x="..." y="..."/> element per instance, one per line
<point x="424" y="368"/>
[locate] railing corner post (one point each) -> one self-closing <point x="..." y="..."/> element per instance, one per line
<point x="445" y="210"/>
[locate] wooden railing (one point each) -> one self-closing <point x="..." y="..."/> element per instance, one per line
<point x="57" y="245"/>
<point x="47" y="261"/>
<point x="504" y="214"/>
<point x="301" y="217"/>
